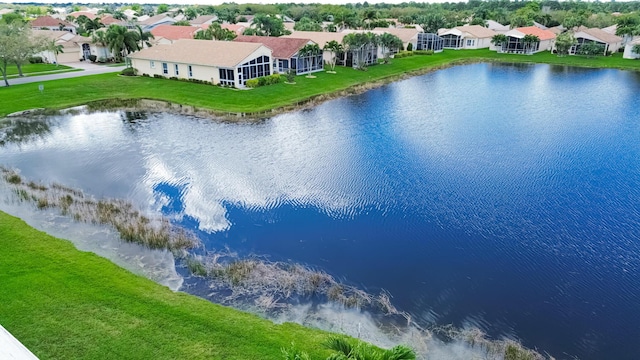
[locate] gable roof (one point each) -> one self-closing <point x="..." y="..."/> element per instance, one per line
<point x="48" y="21"/>
<point x="476" y="31"/>
<point x="154" y="19"/>
<point x="496" y="26"/>
<point x="283" y="48"/>
<point x="600" y="34"/>
<point x="172" y="32"/>
<point x="52" y="35"/>
<point x="200" y="52"/>
<point x="406" y="35"/>
<point x="238" y="29"/>
<point x="536" y="31"/>
<point x="203" y="19"/>
<point x="320" y="38"/>
<point x="108" y="20"/>
<point x="77" y="14"/>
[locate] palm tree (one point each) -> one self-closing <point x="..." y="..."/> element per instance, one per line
<point x="122" y="41"/>
<point x="100" y="38"/>
<point x="389" y="43"/>
<point x="55" y="49"/>
<point x="93" y="25"/>
<point x="499" y="40"/>
<point x="308" y="53"/>
<point x="334" y="48"/>
<point x="362" y="46"/>
<point x="144" y="37"/>
<point x="530" y="42"/>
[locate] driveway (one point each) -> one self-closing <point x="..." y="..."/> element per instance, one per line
<point x="88" y="68"/>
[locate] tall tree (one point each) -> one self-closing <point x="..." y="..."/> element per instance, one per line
<point x="335" y="48"/>
<point x="191" y="13"/>
<point x="390" y="44"/>
<point x="100" y="38"/>
<point x="14" y="43"/>
<point x="564" y="42"/>
<point x="499" y="40"/>
<point x="308" y="53"/>
<point x="215" y="31"/>
<point x="628" y="25"/>
<point x="144" y="36"/>
<point x="432" y="22"/>
<point x="162" y="8"/>
<point x="361" y="46"/>
<point x="54" y="48"/>
<point x="122" y="41"/>
<point x="530" y="42"/>
<point x="268" y="25"/>
<point x="307" y="24"/>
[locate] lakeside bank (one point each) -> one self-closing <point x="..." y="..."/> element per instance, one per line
<point x="268" y="100"/>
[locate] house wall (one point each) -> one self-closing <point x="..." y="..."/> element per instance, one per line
<point x="628" y="53"/>
<point x="546" y="45"/>
<point x="69" y="55"/>
<point x="481" y="43"/>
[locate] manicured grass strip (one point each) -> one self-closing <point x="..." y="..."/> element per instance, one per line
<point x="65" y="304"/>
<point x="77" y="91"/>
<point x="32" y="68"/>
<point x="44" y="73"/>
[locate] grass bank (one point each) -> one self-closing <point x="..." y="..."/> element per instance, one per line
<point x="60" y="94"/>
<point x="65" y="304"/>
<point x="35" y="68"/>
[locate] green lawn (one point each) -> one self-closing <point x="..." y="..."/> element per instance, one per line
<point x="76" y="91"/>
<point x="65" y="304"/>
<point x="33" y="68"/>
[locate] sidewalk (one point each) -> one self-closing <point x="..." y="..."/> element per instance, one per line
<point x="87" y="68"/>
<point x="11" y="348"/>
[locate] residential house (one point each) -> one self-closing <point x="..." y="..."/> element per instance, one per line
<point x="515" y="40"/>
<point x="286" y="53"/>
<point x="203" y="20"/>
<point x="320" y="38"/>
<point x="407" y="35"/>
<point x="167" y="34"/>
<point x="557" y="29"/>
<point x="467" y="37"/>
<point x="77" y="14"/>
<point x="236" y="28"/>
<point x="50" y="23"/>
<point x="628" y="50"/>
<point x="429" y="41"/>
<point x="609" y="42"/>
<point x="226" y="63"/>
<point x="70" y="50"/>
<point x="154" y="21"/>
<point x="497" y="27"/>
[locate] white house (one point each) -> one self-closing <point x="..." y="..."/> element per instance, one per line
<point x="219" y="62"/>
<point x="515" y="43"/>
<point x="467" y="37"/>
<point x="583" y="35"/>
<point x="628" y="50"/>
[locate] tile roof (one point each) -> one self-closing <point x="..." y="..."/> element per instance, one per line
<point x="172" y="32"/>
<point x="77" y="14"/>
<point x="200" y="52"/>
<point x="405" y="35"/>
<point x="48" y="21"/>
<point x="238" y="29"/>
<point x="540" y="33"/>
<point x="203" y="19"/>
<point x="154" y="19"/>
<point x="108" y="20"/>
<point x="476" y="31"/>
<point x="320" y="38"/>
<point x="283" y="48"/>
<point x="600" y="34"/>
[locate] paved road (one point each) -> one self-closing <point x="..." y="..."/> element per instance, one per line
<point x="87" y="69"/>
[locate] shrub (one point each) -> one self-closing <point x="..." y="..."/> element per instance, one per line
<point x="410" y="47"/>
<point x="102" y="59"/>
<point x="291" y="76"/>
<point x="158" y="76"/>
<point x="36" y="60"/>
<point x="423" y="52"/>
<point x="146" y="75"/>
<point x="93" y="58"/>
<point x="253" y="83"/>
<point x="129" y="72"/>
<point x="262" y="81"/>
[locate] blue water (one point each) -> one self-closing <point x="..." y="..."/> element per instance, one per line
<point x="499" y="196"/>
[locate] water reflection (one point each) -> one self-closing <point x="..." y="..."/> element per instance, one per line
<point x="22" y="131"/>
<point x="502" y="196"/>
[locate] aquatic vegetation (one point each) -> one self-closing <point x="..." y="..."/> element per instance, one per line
<point x="154" y="233"/>
<point x="345" y="350"/>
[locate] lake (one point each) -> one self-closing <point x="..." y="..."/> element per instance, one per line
<point x="505" y="197"/>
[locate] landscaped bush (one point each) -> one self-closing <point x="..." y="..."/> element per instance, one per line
<point x="403" y="54"/>
<point x="129" y="72"/>
<point x="146" y="75"/>
<point x="158" y="76"/>
<point x="410" y="47"/>
<point x="93" y="58"/>
<point x="264" y="80"/>
<point x="35" y="60"/>
<point x="423" y="52"/>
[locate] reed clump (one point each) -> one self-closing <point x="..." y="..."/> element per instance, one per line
<point x="154" y="233"/>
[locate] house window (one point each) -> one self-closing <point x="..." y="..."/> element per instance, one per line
<point x="255" y="68"/>
<point x="227" y="77"/>
<point x="152" y="64"/>
<point x="470" y="42"/>
<point x="175" y="69"/>
<point x="190" y="71"/>
<point x="165" y="68"/>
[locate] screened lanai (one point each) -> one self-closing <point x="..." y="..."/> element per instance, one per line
<point x="580" y="41"/>
<point x="430" y="41"/>
<point x="452" y="41"/>
<point x="518" y="46"/>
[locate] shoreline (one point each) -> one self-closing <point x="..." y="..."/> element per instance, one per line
<point x="209" y="110"/>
